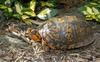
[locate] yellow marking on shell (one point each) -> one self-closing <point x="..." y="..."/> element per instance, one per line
<point x="71" y="18"/>
<point x="56" y="36"/>
<point x="61" y="20"/>
<point x="53" y="36"/>
<point x="69" y="32"/>
<point x="49" y="23"/>
<point x="50" y="35"/>
<point x="56" y="30"/>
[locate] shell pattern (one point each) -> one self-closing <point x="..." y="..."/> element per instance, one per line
<point x="67" y="32"/>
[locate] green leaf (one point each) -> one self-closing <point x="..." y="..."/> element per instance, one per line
<point x="95" y="10"/>
<point x="26" y="9"/>
<point x="3" y="7"/>
<point x="47" y="13"/>
<point x="89" y="10"/>
<point x="93" y="3"/>
<point x="18" y="7"/>
<point x="46" y="4"/>
<point x="98" y="16"/>
<point x="10" y="10"/>
<point x="88" y="18"/>
<point x="92" y="10"/>
<point x="31" y="13"/>
<point x="18" y="16"/>
<point x="25" y="17"/>
<point x="93" y="16"/>
<point x="84" y="12"/>
<point x="32" y="5"/>
<point x="28" y="21"/>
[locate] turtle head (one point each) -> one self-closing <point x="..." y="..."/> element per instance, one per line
<point x="33" y="34"/>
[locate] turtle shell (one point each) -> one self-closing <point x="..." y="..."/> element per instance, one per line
<point x="67" y="32"/>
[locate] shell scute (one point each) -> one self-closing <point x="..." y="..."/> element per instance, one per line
<point x="67" y="32"/>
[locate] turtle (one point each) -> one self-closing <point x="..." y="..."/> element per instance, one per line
<point x="65" y="32"/>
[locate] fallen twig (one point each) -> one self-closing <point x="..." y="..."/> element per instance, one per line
<point x="20" y="57"/>
<point x="21" y="36"/>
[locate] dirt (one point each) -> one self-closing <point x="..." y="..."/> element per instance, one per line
<point x="14" y="49"/>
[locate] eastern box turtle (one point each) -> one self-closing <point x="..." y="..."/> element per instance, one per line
<point x="65" y="32"/>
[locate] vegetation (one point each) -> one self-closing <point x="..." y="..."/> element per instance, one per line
<point x="25" y="10"/>
<point x="92" y="10"/>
